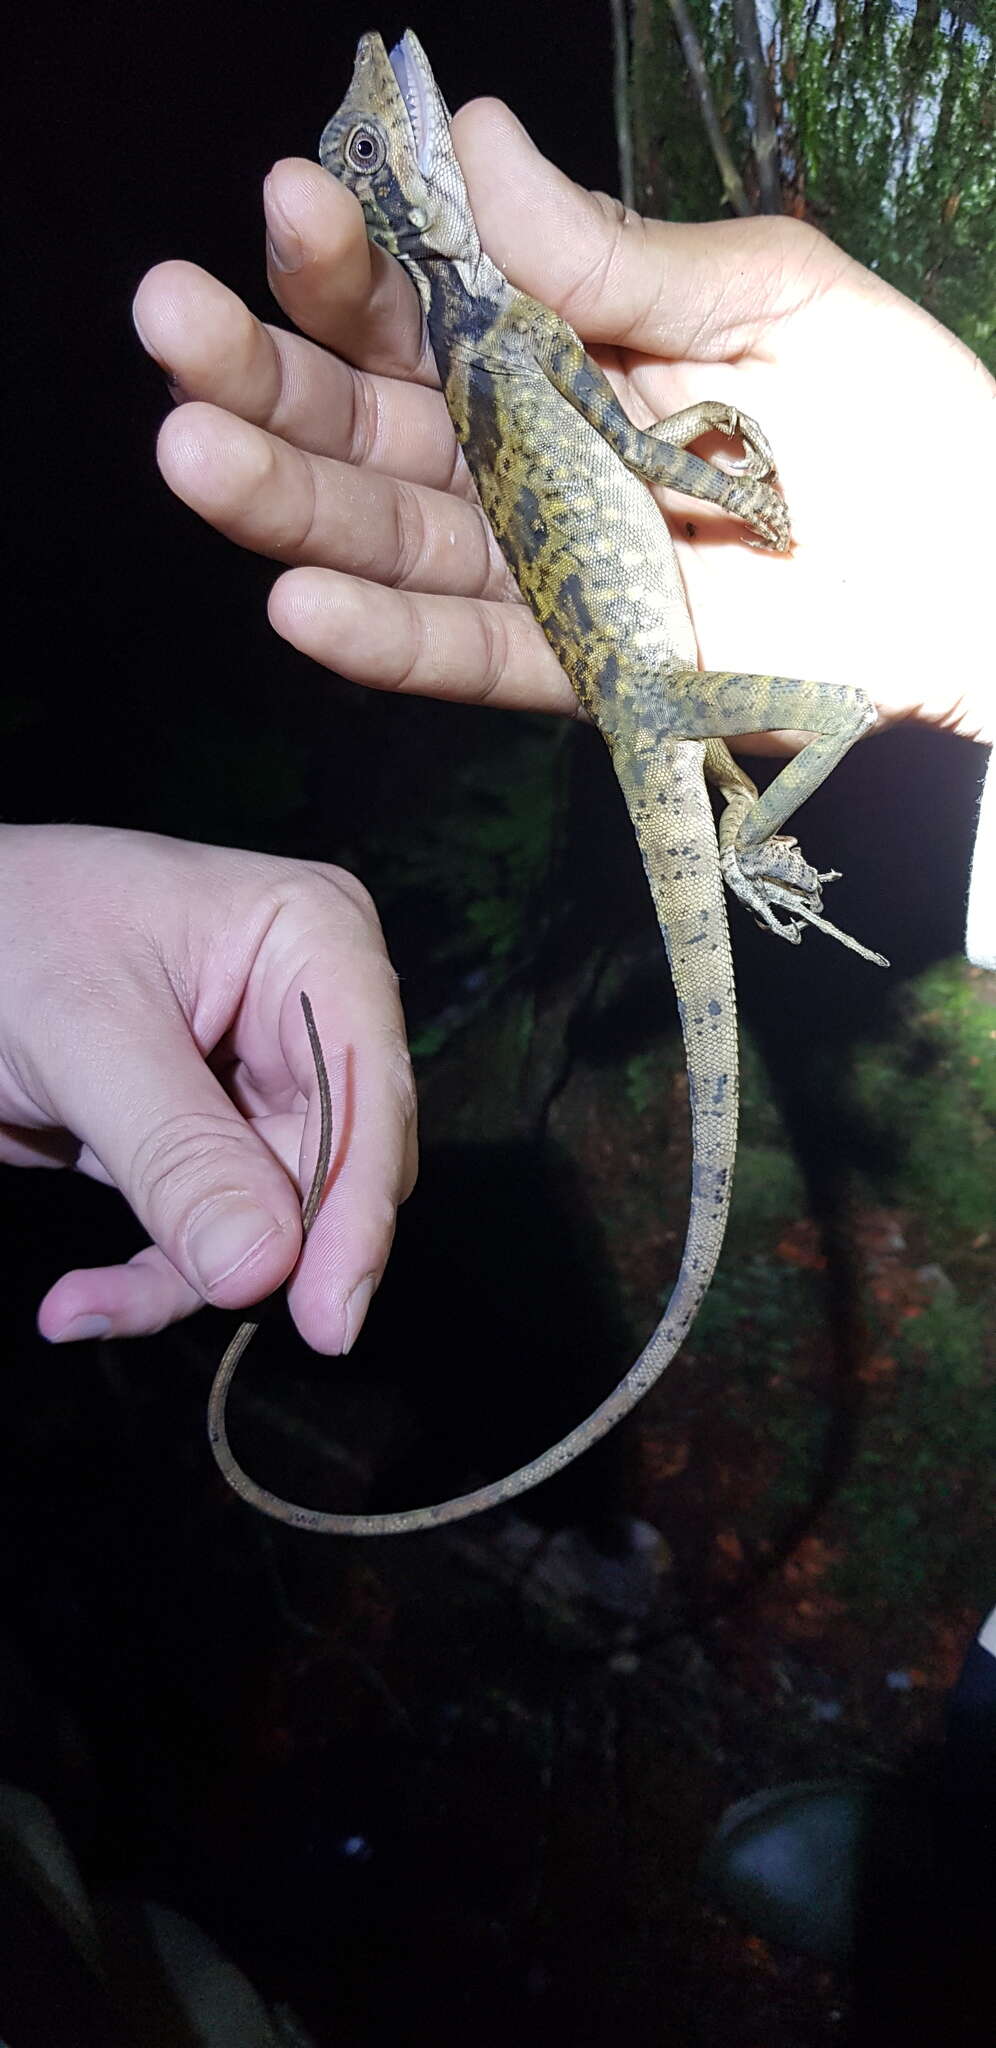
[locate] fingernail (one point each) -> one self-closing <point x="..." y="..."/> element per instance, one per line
<point x="357" y="1305"/>
<point x="284" y="242"/>
<point x="82" y="1327"/>
<point x="224" y="1238"/>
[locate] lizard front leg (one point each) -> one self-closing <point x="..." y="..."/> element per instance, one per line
<point x="713" y="416"/>
<point x="658" y="456"/>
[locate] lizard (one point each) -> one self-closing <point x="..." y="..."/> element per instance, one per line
<point x="562" y="474"/>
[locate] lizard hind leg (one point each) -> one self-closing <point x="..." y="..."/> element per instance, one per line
<point x="762" y="865"/>
<point x="773" y="875"/>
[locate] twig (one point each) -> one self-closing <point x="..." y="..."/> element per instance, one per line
<point x="620" y="96"/>
<point x="692" y="49"/>
<point x="765" y="137"/>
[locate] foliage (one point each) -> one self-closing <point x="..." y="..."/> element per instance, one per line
<point x="675" y="172"/>
<point x="767" y="1189"/>
<point x="911" y="1525"/>
<point x="893" y="120"/>
<point x="758" y="1318"/>
<point x="643" y="1079"/>
<point x="754" y="1311"/>
<point x="886" y="124"/>
<point x="934" y="1084"/>
<point x="478" y="865"/>
<point x="917" y="1503"/>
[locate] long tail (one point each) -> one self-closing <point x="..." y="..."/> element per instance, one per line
<point x="674" y="826"/>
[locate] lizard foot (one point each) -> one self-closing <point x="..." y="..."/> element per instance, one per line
<point x="762" y="509"/>
<point x="770" y="878"/>
<point x="776" y="876"/>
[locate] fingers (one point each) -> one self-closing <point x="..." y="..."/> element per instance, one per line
<point x="215" y="1167"/>
<point x="374" y="1156"/>
<point x="706" y="292"/>
<point x="213" y="348"/>
<point x="134" y="1300"/>
<point x="467" y="649"/>
<point x="220" y="1207"/>
<point x="328" y="941"/>
<point x="333" y="283"/>
<point x="327" y="277"/>
<point x="295" y="507"/>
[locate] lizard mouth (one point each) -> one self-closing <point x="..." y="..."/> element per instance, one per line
<point x="411" y="86"/>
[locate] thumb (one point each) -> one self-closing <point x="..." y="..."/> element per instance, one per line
<point x="160" y="1126"/>
<point x="701" y="290"/>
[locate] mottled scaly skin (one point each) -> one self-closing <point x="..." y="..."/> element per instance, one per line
<point x="562" y="476"/>
<point x="592" y="556"/>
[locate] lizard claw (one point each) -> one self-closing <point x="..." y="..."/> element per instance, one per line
<point x="757" y="459"/>
<point x="773" y="877"/>
<point x="779" y="865"/>
<point x="776" y="876"/>
<point x="833" y="932"/>
<point x="764" y="511"/>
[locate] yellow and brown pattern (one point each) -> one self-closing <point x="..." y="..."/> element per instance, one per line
<point x="563" y="478"/>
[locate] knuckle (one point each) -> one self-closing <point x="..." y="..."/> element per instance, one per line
<point x="293" y="534"/>
<point x="409" y="536"/>
<point x="174" y="1163"/>
<point x="622" y="227"/>
<point x="494" y="578"/>
<point x="589" y="285"/>
<point x="332" y="894"/>
<point x="254" y="468"/>
<point x="494" y="650"/>
<point x="798" y="237"/>
<point x="411" y="661"/>
<point x="354" y="894"/>
<point x="799" y="249"/>
<point x="611" y="208"/>
<point x="364" y="424"/>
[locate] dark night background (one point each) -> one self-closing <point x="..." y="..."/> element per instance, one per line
<point x="223" y="1713"/>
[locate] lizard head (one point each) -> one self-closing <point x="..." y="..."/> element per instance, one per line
<point x="390" y="143"/>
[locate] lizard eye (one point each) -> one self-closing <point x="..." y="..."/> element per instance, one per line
<point x="365" y="149"/>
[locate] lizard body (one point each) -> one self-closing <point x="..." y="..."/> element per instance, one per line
<point x="562" y="475"/>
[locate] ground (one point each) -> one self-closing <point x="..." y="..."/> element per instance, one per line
<point x="470" y="1775"/>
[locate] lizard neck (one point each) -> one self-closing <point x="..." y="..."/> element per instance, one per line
<point x="463" y="300"/>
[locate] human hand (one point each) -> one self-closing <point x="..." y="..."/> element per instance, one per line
<point x="883" y="425"/>
<point x="151" y="1034"/>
